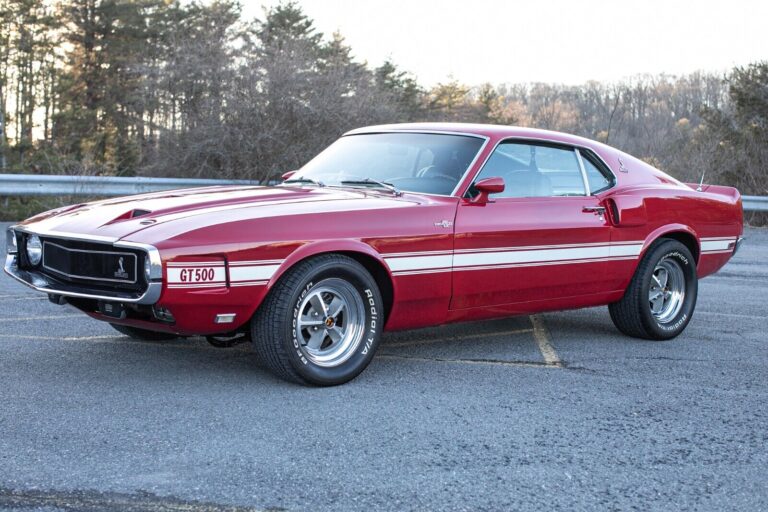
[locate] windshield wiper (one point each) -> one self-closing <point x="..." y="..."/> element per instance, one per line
<point x="370" y="181"/>
<point x="306" y="180"/>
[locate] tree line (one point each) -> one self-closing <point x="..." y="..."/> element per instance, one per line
<point x="170" y="88"/>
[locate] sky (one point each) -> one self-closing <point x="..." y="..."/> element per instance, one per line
<point x="556" y="41"/>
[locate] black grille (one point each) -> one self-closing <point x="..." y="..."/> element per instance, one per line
<point x="120" y="267"/>
<point x="95" y="264"/>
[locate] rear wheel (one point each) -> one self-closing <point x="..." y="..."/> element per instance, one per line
<point x="321" y="323"/>
<point x="143" y="334"/>
<point x="660" y="299"/>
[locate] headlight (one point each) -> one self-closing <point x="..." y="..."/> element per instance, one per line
<point x="147" y="268"/>
<point x="10" y="241"/>
<point x="34" y="250"/>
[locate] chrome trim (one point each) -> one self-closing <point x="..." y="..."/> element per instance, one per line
<point x="92" y="278"/>
<point x="156" y="272"/>
<point x="39" y="281"/>
<point x="11" y="246"/>
<point x="361" y="131"/>
<point x="471" y="165"/>
<point x="485" y="138"/>
<point x="65" y="235"/>
<point x="602" y="160"/>
<point x="547" y="141"/>
<point x="587" y="192"/>
<point x="739" y="241"/>
<point x="156" y="264"/>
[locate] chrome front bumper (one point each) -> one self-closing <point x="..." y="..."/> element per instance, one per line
<point x="739" y="241"/>
<point x="45" y="284"/>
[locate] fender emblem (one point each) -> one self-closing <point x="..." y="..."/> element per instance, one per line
<point x="443" y="224"/>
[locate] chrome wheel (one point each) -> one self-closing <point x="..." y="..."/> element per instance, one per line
<point x="667" y="291"/>
<point x="330" y="322"/>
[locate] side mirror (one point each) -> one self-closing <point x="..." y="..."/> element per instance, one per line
<point x="287" y="175"/>
<point x="486" y="187"/>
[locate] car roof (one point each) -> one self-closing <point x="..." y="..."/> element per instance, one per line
<point x="493" y="131"/>
<point x="641" y="171"/>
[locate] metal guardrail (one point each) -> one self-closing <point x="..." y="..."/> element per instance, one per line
<point x="51" y="185"/>
<point x="754" y="203"/>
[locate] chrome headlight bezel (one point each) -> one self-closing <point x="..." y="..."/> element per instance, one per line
<point x="34" y="249"/>
<point x="147" y="268"/>
<point x="11" y="245"/>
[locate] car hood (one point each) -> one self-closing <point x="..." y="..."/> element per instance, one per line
<point x="182" y="210"/>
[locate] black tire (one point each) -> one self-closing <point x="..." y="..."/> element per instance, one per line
<point x="274" y="326"/>
<point x="633" y="315"/>
<point x="143" y="334"/>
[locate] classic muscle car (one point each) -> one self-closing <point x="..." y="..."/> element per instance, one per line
<point x="391" y="227"/>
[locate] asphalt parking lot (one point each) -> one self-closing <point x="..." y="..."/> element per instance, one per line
<point x="553" y="412"/>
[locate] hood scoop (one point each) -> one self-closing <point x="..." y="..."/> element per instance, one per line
<point x="130" y="214"/>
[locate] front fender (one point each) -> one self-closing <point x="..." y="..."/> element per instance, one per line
<point x="324" y="247"/>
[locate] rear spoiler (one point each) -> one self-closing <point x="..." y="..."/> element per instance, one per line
<point x="730" y="192"/>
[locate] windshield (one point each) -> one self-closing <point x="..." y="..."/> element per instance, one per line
<point x="413" y="162"/>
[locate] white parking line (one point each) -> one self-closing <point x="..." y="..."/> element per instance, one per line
<point x="195" y="343"/>
<point x="27" y="318"/>
<point x="492" y="362"/>
<point x="22" y="297"/>
<point x="58" y="338"/>
<point x="740" y="279"/>
<point x="735" y="315"/>
<point x="541" y="335"/>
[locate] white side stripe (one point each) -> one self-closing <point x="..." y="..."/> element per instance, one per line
<point x="564" y="255"/>
<point x="252" y="273"/>
<point x="418" y="262"/>
<point x="189" y="275"/>
<point x="258" y="273"/>
<point x="716" y="245"/>
<point x="626" y="249"/>
<point x="536" y="247"/>
<point x="543" y="263"/>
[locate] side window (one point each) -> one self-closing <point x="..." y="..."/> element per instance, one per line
<point x="598" y="176"/>
<point x="534" y="170"/>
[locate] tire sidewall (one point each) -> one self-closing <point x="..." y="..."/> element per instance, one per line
<point x="677" y="251"/>
<point x="369" y="293"/>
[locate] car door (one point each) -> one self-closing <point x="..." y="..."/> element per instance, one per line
<point x="544" y="237"/>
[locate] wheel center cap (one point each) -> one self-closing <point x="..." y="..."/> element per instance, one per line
<point x="330" y="322"/>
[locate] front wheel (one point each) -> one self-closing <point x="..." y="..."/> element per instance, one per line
<point x="321" y="322"/>
<point x="660" y="299"/>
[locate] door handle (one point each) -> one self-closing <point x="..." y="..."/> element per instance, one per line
<point x="597" y="210"/>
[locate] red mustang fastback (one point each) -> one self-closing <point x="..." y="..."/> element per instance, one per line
<point x="391" y="227"/>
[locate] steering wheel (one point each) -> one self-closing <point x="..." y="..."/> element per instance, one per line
<point x="424" y="172"/>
